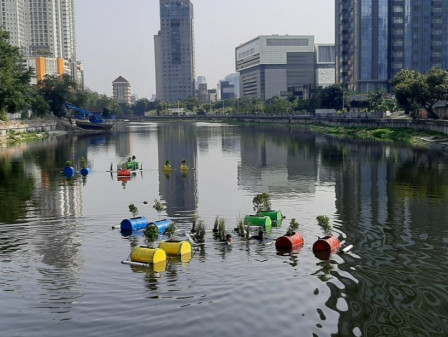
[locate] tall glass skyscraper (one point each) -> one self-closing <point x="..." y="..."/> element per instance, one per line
<point x="174" y="51"/>
<point x="375" y="39"/>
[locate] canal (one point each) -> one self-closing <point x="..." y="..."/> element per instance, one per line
<point x="60" y="258"/>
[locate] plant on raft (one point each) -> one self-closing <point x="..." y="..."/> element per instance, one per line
<point x="83" y="163"/>
<point x="158" y="206"/>
<point x="68" y="163"/>
<point x="293" y="227"/>
<point x="219" y="228"/>
<point x="133" y="209"/>
<point x="324" y="222"/>
<point x="171" y="230"/>
<point x="151" y="234"/>
<point x="200" y="231"/>
<point x="240" y="229"/>
<point x="262" y="202"/>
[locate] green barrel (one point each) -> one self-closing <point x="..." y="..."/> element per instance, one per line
<point x="276" y="217"/>
<point x="262" y="221"/>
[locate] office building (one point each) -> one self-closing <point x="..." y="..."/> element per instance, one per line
<point x="226" y="90"/>
<point x="271" y="65"/>
<point x="174" y="51"/>
<point x="325" y="64"/>
<point x="377" y="39"/>
<point x="121" y="90"/>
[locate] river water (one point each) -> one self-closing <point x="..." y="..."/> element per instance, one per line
<point x="60" y="258"/>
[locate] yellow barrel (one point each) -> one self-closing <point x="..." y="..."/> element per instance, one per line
<point x="176" y="247"/>
<point x="148" y="255"/>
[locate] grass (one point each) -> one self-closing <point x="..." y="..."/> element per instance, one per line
<point x="18" y="137"/>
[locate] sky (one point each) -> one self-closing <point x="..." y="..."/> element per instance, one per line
<point x="116" y="37"/>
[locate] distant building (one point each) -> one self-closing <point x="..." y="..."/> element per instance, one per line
<point x="212" y="95"/>
<point x="227" y="90"/>
<point x="377" y="39"/>
<point x="325" y="64"/>
<point x="270" y="65"/>
<point x="121" y="89"/>
<point x="234" y="79"/>
<point x="174" y="51"/>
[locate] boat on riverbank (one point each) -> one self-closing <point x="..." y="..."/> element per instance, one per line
<point x="88" y="125"/>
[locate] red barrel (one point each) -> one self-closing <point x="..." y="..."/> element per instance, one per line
<point x="327" y="244"/>
<point x="124" y="173"/>
<point x="289" y="242"/>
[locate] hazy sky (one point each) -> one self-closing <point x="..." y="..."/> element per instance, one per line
<point x="116" y="37"/>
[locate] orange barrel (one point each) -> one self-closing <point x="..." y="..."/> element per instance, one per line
<point x="327" y="244"/>
<point x="176" y="247"/>
<point x="124" y="173"/>
<point x="148" y="255"/>
<point x="289" y="242"/>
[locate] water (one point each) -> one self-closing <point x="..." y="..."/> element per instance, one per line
<point x="60" y="270"/>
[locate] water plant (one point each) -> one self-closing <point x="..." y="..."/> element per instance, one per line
<point x="68" y="163"/>
<point x="200" y="231"/>
<point x="293" y="227"/>
<point x="158" y="206"/>
<point x="171" y="230"/>
<point x="219" y="229"/>
<point x="324" y="222"/>
<point x="133" y="209"/>
<point x="84" y="163"/>
<point x="151" y="234"/>
<point x="240" y="229"/>
<point x="262" y="202"/>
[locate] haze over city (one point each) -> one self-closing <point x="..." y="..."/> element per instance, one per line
<point x="116" y="38"/>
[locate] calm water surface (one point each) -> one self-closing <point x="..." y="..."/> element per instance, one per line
<point x="60" y="270"/>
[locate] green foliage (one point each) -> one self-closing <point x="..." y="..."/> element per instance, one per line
<point x="68" y="163"/>
<point x="331" y="97"/>
<point x="324" y="222"/>
<point x="133" y="209"/>
<point x="158" y="206"/>
<point x="151" y="234"/>
<point x="293" y="227"/>
<point x="262" y="202"/>
<point x="200" y="231"/>
<point x="221" y="229"/>
<point x="241" y="229"/>
<point x="57" y="90"/>
<point x="171" y="230"/>
<point x="414" y="90"/>
<point x="84" y="163"/>
<point x="15" y="88"/>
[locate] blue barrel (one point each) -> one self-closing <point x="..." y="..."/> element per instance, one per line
<point x="162" y="225"/>
<point x="85" y="171"/>
<point x="69" y="171"/>
<point x="134" y="224"/>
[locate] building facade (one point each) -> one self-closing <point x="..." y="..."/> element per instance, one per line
<point x="272" y="65"/>
<point x="44" y="32"/>
<point x="174" y="51"/>
<point x="121" y="90"/>
<point x="376" y="39"/>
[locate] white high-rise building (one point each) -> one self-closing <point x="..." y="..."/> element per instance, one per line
<point x="41" y="27"/>
<point x="44" y="32"/>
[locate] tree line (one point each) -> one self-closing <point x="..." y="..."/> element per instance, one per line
<point x="412" y="91"/>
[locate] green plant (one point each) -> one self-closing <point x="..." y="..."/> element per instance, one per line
<point x="200" y="232"/>
<point x="158" y="206"/>
<point x="68" y="163"/>
<point x="262" y="202"/>
<point x="222" y="229"/>
<point x="83" y="163"/>
<point x="324" y="222"/>
<point x="171" y="230"/>
<point x="293" y="227"/>
<point x="240" y="228"/>
<point x="133" y="209"/>
<point x="151" y="234"/>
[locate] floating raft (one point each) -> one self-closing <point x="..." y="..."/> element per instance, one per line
<point x="276" y="217"/>
<point x="289" y="242"/>
<point x="176" y="247"/>
<point x="260" y="221"/>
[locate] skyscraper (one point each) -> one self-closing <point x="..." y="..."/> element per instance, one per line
<point x="376" y="39"/>
<point x="41" y="27"/>
<point x="44" y="32"/>
<point x="174" y="51"/>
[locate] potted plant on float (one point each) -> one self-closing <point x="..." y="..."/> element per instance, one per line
<point x="329" y="243"/>
<point x="292" y="240"/>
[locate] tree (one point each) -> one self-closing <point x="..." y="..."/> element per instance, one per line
<point x="415" y="90"/>
<point x="57" y="90"/>
<point x="331" y="97"/>
<point x="15" y="88"/>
